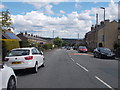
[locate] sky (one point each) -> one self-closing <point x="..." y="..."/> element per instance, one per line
<point x="65" y="18"/>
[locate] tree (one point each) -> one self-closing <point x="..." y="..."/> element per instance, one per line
<point x="116" y="45"/>
<point x="57" y="41"/>
<point x="6" y="19"/>
<point x="64" y="43"/>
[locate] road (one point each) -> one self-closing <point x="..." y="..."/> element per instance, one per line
<point x="69" y="69"/>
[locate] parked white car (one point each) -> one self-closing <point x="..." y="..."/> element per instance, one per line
<point x="8" y="79"/>
<point x="25" y="58"/>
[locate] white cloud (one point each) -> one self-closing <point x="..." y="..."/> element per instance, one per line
<point x="65" y="26"/>
<point x="63" y="12"/>
<point x="44" y="7"/>
<point x="111" y="12"/>
<point x="58" y="0"/>
<point x="2" y="6"/>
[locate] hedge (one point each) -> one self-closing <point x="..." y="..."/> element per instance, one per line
<point x="9" y="44"/>
<point x="47" y="46"/>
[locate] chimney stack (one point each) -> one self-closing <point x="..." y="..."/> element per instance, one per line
<point x="96" y="19"/>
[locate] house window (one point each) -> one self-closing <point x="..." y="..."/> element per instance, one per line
<point x="103" y="38"/>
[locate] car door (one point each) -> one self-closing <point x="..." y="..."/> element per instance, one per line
<point x="40" y="57"/>
<point x="35" y="55"/>
<point x="98" y="51"/>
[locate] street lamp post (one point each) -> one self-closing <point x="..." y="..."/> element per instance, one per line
<point x="103" y="37"/>
<point x="104" y="12"/>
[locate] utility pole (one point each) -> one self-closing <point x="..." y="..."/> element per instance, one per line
<point x="53" y="34"/>
<point x="103" y="37"/>
<point x="78" y="36"/>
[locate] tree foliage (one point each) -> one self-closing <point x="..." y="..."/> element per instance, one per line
<point x="65" y="43"/>
<point x="116" y="45"/>
<point x="6" y="19"/>
<point x="57" y="41"/>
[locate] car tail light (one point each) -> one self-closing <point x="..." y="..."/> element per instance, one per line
<point x="84" y="49"/>
<point x="29" y="58"/>
<point x="6" y="59"/>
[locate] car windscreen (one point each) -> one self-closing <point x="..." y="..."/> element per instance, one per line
<point x="105" y="50"/>
<point x="18" y="53"/>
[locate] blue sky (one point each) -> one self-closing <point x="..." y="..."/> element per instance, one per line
<point x="22" y="7"/>
<point x="67" y="19"/>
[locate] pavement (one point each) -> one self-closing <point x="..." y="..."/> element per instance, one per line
<point x="69" y="69"/>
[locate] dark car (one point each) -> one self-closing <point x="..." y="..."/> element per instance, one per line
<point x="82" y="49"/>
<point x="75" y="47"/>
<point x="101" y="52"/>
<point x="68" y="47"/>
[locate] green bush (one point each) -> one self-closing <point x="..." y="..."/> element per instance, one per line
<point x="58" y="41"/>
<point x="24" y="44"/>
<point x="10" y="43"/>
<point x="47" y="46"/>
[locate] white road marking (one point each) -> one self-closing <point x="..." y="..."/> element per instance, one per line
<point x="82" y="67"/>
<point x="73" y="60"/>
<point x="104" y="83"/>
<point x="108" y="60"/>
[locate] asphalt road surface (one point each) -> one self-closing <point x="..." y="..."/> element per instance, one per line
<point x="69" y="69"/>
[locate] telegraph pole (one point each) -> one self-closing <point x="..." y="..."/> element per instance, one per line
<point x="78" y="36"/>
<point x="53" y="34"/>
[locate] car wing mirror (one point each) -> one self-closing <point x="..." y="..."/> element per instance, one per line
<point x="41" y="53"/>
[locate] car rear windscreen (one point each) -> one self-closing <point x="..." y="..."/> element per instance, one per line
<point x="82" y="47"/>
<point x="18" y="53"/>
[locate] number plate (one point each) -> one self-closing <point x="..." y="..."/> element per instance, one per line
<point x="16" y="62"/>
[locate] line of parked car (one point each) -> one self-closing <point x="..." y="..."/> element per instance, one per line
<point x="16" y="59"/>
<point x="32" y="58"/>
<point x="99" y="52"/>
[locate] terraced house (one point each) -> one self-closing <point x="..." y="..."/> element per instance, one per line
<point x="28" y="39"/>
<point x="105" y="34"/>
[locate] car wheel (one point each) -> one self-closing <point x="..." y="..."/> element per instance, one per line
<point x="43" y="65"/>
<point x="35" y="69"/>
<point x="11" y="84"/>
<point x="94" y="54"/>
<point x="100" y="56"/>
<point x="113" y="57"/>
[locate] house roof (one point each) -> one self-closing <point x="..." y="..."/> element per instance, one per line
<point x="7" y="34"/>
<point x="31" y="37"/>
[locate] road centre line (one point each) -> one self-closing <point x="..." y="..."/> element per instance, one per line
<point x="82" y="67"/>
<point x="73" y="60"/>
<point x="104" y="82"/>
<point x="95" y="76"/>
